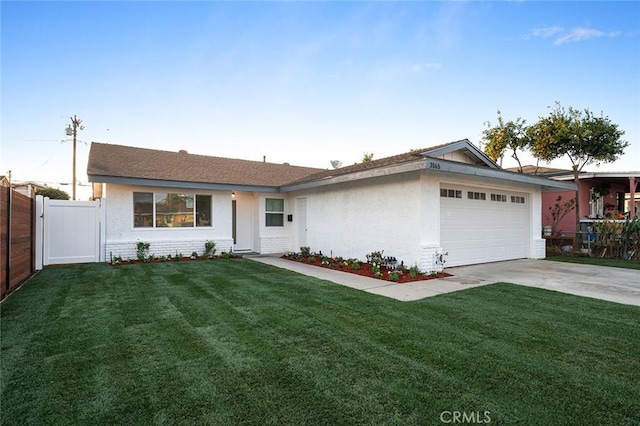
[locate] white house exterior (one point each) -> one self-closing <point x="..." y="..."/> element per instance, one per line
<point x="449" y="199"/>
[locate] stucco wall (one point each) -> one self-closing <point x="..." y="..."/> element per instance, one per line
<point x="354" y="219"/>
<point x="273" y="239"/>
<point x="121" y="236"/>
<point x="397" y="214"/>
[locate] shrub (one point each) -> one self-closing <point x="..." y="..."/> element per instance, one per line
<point x="414" y="271"/>
<point x="395" y="276"/>
<point x="209" y="248"/>
<point x="305" y="251"/>
<point x="142" y="250"/>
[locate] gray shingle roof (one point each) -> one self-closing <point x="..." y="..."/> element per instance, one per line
<point x="107" y="160"/>
<point x="141" y="163"/>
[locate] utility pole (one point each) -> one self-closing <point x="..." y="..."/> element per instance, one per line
<point x="72" y="130"/>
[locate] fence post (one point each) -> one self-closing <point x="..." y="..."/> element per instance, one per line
<point x="39" y="214"/>
<point x="103" y="231"/>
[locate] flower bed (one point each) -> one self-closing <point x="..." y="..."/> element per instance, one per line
<point x="380" y="269"/>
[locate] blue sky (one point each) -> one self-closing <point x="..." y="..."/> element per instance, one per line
<point x="303" y="82"/>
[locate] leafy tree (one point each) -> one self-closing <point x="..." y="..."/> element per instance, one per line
<point x="53" y="193"/>
<point x="512" y="136"/>
<point x="580" y="136"/>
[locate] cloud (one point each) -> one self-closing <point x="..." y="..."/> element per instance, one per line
<point x="546" y="32"/>
<point x="573" y="35"/>
<point x="425" y="67"/>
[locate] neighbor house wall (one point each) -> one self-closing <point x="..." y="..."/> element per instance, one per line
<point x="121" y="236"/>
<point x="567" y="225"/>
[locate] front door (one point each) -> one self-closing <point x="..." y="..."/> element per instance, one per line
<point x="242" y="230"/>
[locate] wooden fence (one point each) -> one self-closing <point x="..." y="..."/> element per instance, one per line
<point x="17" y="239"/>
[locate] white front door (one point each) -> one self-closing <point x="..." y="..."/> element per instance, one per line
<point x="242" y="222"/>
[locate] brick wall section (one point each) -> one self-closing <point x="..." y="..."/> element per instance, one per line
<point x="539" y="248"/>
<point x="271" y="245"/>
<point x="427" y="258"/>
<point x="127" y="249"/>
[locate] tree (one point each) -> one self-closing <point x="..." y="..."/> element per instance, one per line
<point x="558" y="211"/>
<point x="53" y="193"/>
<point x="367" y="157"/>
<point x="511" y="135"/>
<point x="582" y="137"/>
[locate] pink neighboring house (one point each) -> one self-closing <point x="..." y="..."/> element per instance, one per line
<point x="603" y="195"/>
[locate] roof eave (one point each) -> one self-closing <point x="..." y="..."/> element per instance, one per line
<point x="157" y="183"/>
<point x="462" y="144"/>
<point x="405" y="167"/>
<point x="437" y="165"/>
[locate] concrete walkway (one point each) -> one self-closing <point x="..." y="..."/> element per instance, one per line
<point x="612" y="284"/>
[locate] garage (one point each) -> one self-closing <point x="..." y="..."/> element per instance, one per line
<point x="479" y="225"/>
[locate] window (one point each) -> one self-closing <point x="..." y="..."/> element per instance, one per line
<point x="170" y="210"/>
<point x="143" y="209"/>
<point x="450" y="193"/>
<point x="476" y="195"/>
<point x="203" y="210"/>
<point x="275" y="212"/>
<point x="499" y="197"/>
<point x="517" y="200"/>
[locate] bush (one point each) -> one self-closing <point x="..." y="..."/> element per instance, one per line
<point x="209" y="248"/>
<point x="53" y="193"/>
<point x="142" y="250"/>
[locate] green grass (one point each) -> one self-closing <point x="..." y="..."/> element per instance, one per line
<point x="239" y="342"/>
<point x="615" y="263"/>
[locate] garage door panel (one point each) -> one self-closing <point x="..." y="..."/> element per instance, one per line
<point x="478" y="231"/>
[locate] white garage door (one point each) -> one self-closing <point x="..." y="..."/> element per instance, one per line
<point x="479" y="225"/>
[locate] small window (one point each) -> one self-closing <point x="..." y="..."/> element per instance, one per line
<point x="476" y="195"/>
<point x="499" y="197"/>
<point x="450" y="193"/>
<point x="274" y="212"/>
<point x="517" y="200"/>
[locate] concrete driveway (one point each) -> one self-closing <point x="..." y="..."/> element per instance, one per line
<point x="600" y="282"/>
<point x="612" y="284"/>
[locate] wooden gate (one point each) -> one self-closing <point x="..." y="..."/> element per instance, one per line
<point x="16" y="239"/>
<point x="73" y="232"/>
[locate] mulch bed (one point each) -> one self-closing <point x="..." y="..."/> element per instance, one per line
<point x="366" y="270"/>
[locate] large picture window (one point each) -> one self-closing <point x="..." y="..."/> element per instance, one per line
<point x="275" y="212"/>
<point x="171" y="210"/>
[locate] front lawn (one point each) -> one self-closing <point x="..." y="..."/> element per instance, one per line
<point x="240" y="342"/>
<point x="599" y="261"/>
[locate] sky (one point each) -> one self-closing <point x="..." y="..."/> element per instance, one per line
<point x="303" y="82"/>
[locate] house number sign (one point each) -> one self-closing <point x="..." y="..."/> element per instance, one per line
<point x="433" y="165"/>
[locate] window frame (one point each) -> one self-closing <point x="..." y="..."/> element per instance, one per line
<point x="270" y="213"/>
<point x="196" y="210"/>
